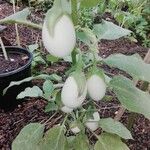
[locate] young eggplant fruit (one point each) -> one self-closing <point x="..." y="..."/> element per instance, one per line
<point x="75" y="130"/>
<point x="74" y="90"/>
<point x="96" y="87"/>
<point x="58" y="34"/>
<point x="92" y="124"/>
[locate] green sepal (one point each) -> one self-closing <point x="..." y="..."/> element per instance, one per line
<point x="96" y="71"/>
<point x="80" y="80"/>
<point x="53" y="16"/>
<point x="76" y="124"/>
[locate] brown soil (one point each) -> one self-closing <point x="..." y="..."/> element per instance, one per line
<point x="33" y="110"/>
<point x="12" y="122"/>
<point x="15" y="61"/>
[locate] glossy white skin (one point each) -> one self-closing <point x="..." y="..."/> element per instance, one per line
<point x="64" y="39"/>
<point x="96" y="87"/>
<point x="75" y="130"/>
<point x="92" y="124"/>
<point x="70" y="94"/>
<point x="66" y="109"/>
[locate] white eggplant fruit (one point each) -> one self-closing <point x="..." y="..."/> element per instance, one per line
<point x="72" y="96"/>
<point x="92" y="124"/>
<point x="96" y="87"/>
<point x="62" y="42"/>
<point x="66" y="109"/>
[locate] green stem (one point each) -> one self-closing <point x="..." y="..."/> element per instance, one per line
<point x="57" y="3"/>
<point x="80" y="62"/>
<point x="94" y="61"/>
<point x="94" y="134"/>
<point x="65" y="119"/>
<point x="74" y="11"/>
<point x="59" y="85"/>
<point x="104" y="6"/>
<point x="26" y="23"/>
<point x="3" y="49"/>
<point x="73" y="55"/>
<point x="88" y="66"/>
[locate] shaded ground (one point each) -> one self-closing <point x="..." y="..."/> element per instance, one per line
<point x="33" y="110"/>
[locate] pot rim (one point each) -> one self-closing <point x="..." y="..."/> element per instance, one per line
<point x="22" y="50"/>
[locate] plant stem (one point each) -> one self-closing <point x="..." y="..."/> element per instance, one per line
<point x="26" y="23"/>
<point x="94" y="133"/>
<point x="17" y="35"/>
<point x="65" y="119"/>
<point x="122" y="109"/>
<point x="120" y="113"/>
<point x="144" y="85"/>
<point x="16" y="26"/>
<point x="74" y="11"/>
<point x="73" y="55"/>
<point x="58" y="85"/>
<point x="3" y="49"/>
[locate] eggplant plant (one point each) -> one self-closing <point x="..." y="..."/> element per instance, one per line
<point x="85" y="84"/>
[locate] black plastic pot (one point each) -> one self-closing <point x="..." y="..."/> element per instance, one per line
<point x="8" y="101"/>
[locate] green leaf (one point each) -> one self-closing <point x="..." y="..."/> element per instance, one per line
<point x="39" y="59"/>
<point x="51" y="106"/>
<point x="133" y="65"/>
<point x="51" y="58"/>
<point x="18" y="16"/>
<point x="29" y="137"/>
<point x="89" y="3"/>
<point x="53" y="77"/>
<point x="80" y="142"/>
<point x="48" y="88"/>
<point x="115" y="127"/>
<point x="109" y="31"/>
<point x="88" y="37"/>
<point x="58" y="99"/>
<point x="54" y="139"/>
<point x="13" y="83"/>
<point x="33" y="47"/>
<point x="35" y="91"/>
<point x="110" y="142"/>
<point x="130" y="96"/>
<point x="82" y="36"/>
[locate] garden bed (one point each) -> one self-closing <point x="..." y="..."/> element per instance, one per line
<point x="32" y="110"/>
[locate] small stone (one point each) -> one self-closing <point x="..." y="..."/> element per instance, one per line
<point x="116" y="112"/>
<point x="19" y="106"/>
<point x="11" y="59"/>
